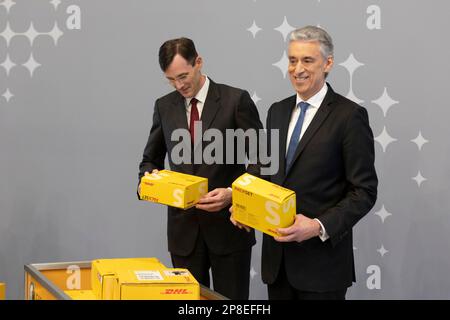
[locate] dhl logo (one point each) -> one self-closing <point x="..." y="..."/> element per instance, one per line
<point x="149" y="198"/>
<point x="176" y="291"/>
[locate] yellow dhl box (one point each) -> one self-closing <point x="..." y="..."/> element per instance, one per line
<point x="173" y="188"/>
<point x="81" y="294"/>
<point x="141" y="279"/>
<point x="2" y="291"/>
<point x="104" y="273"/>
<point x="262" y="205"/>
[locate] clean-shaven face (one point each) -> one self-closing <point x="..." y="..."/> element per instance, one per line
<point x="307" y="67"/>
<point x="186" y="78"/>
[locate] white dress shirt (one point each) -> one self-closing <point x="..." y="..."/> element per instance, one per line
<point x="314" y="104"/>
<point x="201" y="97"/>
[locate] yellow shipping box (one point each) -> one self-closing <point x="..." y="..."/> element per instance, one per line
<point x="104" y="273"/>
<point x="262" y="205"/>
<point x="162" y="284"/>
<point x="141" y="279"/>
<point x="173" y="188"/>
<point x="2" y="291"/>
<point x="81" y="294"/>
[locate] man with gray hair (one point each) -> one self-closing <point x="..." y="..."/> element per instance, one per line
<point x="327" y="157"/>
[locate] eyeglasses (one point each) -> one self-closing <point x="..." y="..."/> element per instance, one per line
<point x="180" y="79"/>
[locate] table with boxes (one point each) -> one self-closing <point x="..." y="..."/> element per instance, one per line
<point x="113" y="279"/>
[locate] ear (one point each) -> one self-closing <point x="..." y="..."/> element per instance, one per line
<point x="199" y="62"/>
<point x="329" y="64"/>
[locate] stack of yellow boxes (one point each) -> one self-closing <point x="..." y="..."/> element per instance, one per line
<point x="262" y="205"/>
<point x="138" y="279"/>
<point x="173" y="188"/>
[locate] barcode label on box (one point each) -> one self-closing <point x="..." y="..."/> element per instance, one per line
<point x="148" y="275"/>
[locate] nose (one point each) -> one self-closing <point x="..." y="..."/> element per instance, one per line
<point x="299" y="68"/>
<point x="178" y="84"/>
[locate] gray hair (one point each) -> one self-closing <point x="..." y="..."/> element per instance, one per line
<point x="312" y="33"/>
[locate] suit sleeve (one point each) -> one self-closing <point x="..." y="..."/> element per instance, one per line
<point x="247" y="117"/>
<point x="359" y="157"/>
<point x="155" y="149"/>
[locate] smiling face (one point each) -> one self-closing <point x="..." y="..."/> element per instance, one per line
<point x="186" y="78"/>
<point x="307" y="67"/>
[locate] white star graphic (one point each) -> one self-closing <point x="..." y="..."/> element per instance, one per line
<point x="55" y="33"/>
<point x="382" y="251"/>
<point x="384" y="139"/>
<point x="383" y="214"/>
<point x="420" y="141"/>
<point x="31" y="33"/>
<point x="254" y="29"/>
<point x="419" y="179"/>
<point x="255" y="98"/>
<point x="7" y="94"/>
<point x="355" y="248"/>
<point x="350" y="95"/>
<point x="385" y="102"/>
<point x="55" y="3"/>
<point x="351" y="64"/>
<point x="7" y="64"/>
<point x="253" y="273"/>
<point x="282" y="64"/>
<point x="7" y="4"/>
<point x="285" y="28"/>
<point x="8" y="34"/>
<point x="31" y="64"/>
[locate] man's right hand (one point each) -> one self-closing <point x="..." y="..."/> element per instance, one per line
<point x="238" y="224"/>
<point x="145" y="174"/>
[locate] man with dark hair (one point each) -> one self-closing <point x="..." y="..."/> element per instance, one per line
<point x="202" y="238"/>
<point x="326" y="155"/>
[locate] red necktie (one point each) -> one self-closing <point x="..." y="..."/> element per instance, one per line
<point x="194" y="117"/>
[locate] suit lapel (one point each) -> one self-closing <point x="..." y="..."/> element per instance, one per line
<point x="179" y="115"/>
<point x="210" y="108"/>
<point x="286" y="112"/>
<point x="181" y="122"/>
<point x="316" y="123"/>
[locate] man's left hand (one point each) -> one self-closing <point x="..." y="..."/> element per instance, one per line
<point x="215" y="200"/>
<point x="303" y="229"/>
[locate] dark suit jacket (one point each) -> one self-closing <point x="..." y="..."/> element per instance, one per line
<point x="335" y="181"/>
<point x="225" y="108"/>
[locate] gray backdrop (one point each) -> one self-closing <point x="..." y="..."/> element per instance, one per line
<point x="78" y="79"/>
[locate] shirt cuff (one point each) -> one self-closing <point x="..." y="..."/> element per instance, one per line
<point x="323" y="234"/>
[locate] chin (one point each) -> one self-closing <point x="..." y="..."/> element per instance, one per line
<point x="301" y="89"/>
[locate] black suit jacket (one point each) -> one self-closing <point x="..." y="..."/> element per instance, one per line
<point x="335" y="181"/>
<point x="225" y="108"/>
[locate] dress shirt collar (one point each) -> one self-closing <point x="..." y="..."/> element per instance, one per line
<point x="201" y="94"/>
<point x="316" y="100"/>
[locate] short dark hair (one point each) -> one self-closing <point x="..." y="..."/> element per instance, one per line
<point x="183" y="46"/>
